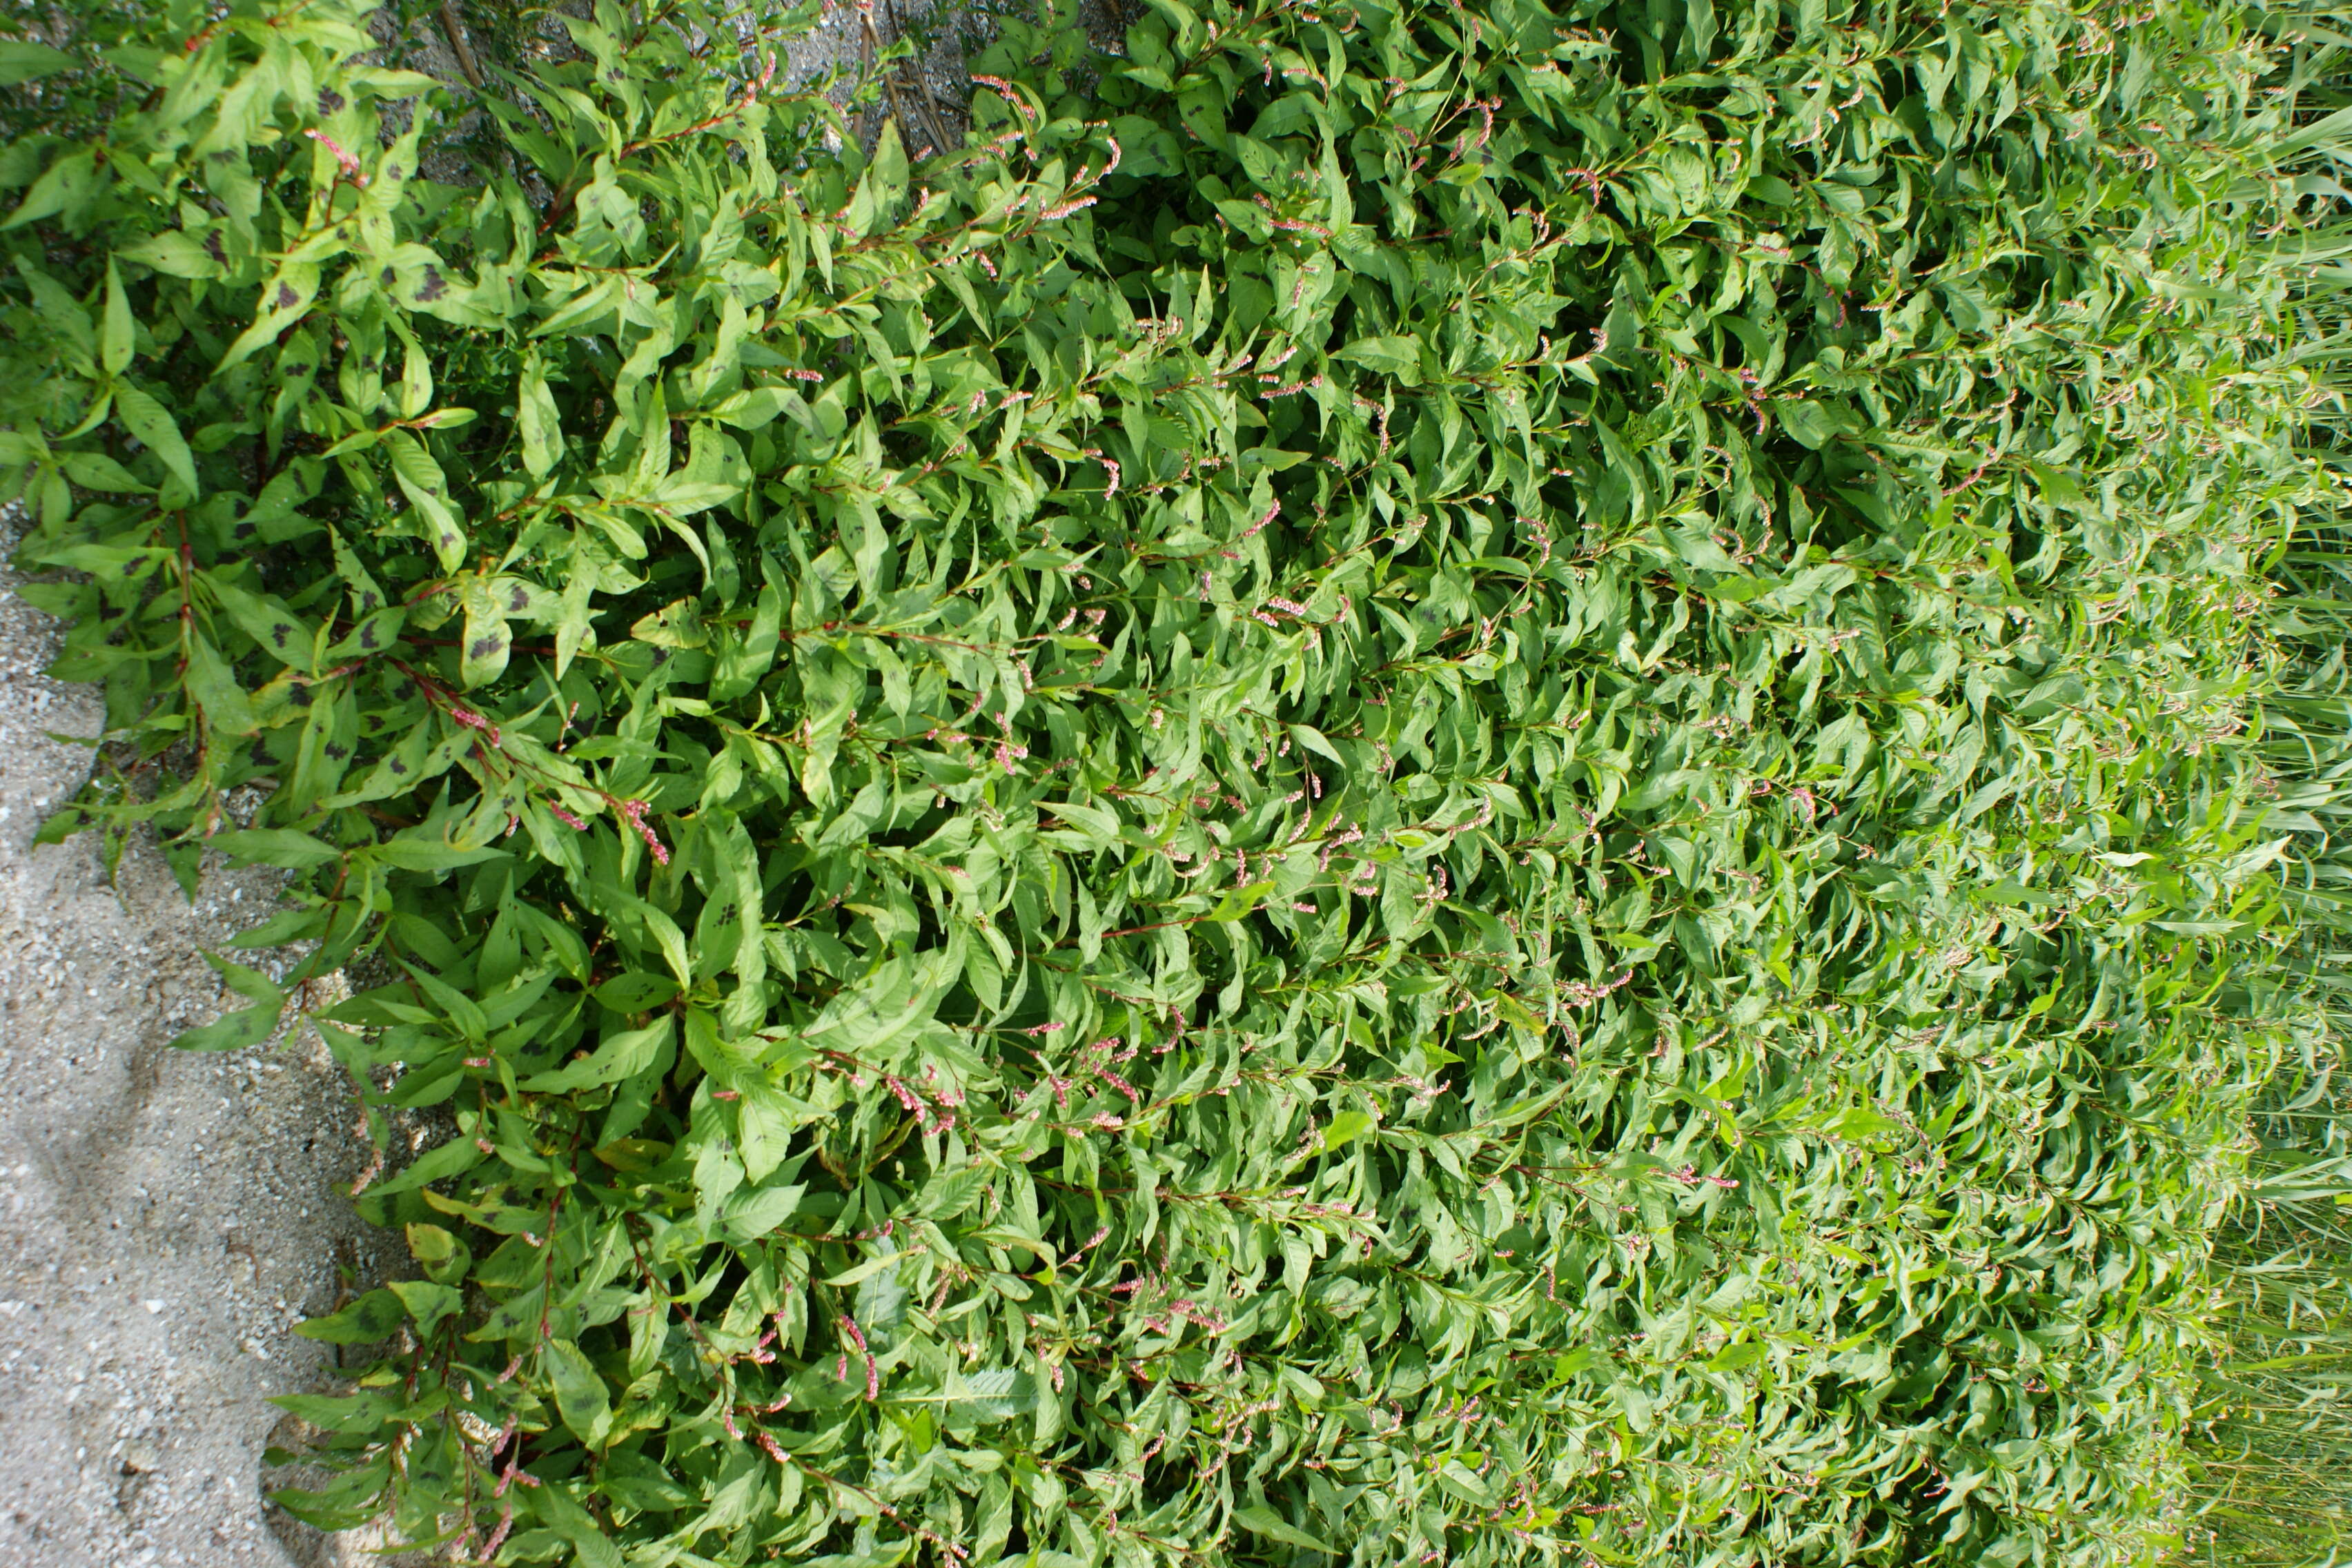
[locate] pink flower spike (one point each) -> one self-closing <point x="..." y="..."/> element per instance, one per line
<point x="473" y="721"/>
<point x="351" y="164"/>
<point x="498" y="1536"/>
<point x="566" y="818"/>
<point x="633" y="813"/>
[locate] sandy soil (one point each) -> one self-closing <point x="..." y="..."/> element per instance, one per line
<point x="165" y="1217"/>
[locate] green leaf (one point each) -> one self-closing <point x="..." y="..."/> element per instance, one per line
<point x="97" y="471"/>
<point x="1810" y="422"/>
<point x="992" y="1394"/>
<point x="284" y="301"/>
<point x="1396" y="356"/>
<point x="1263" y="1521"/>
<point x="862" y="1272"/>
<point x="284" y="636"/>
<point x="427" y="1303"/>
<point x="635" y="991"/>
<point x="274" y="847"/>
<point x="1346" y="1128"/>
<point x="22" y="62"/>
<point x="537" y="421"/>
<point x="366" y="1320"/>
<point x="176" y="253"/>
<point x="415" y="852"/>
<point x="358" y="1413"/>
<point x="114" y="337"/>
<point x="486" y="642"/>
<point x="246" y="1026"/>
<point x="421" y="480"/>
<point x="576" y="1525"/>
<point x="750" y="1215"/>
<point x="63" y="187"/>
<point x="620" y="1056"/>
<point x="436" y="1164"/>
<point x="150" y="421"/>
<point x="580" y="1392"/>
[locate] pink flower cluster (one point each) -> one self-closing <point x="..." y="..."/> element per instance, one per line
<point x="841" y="1366"/>
<point x="350" y="165"/>
<point x="932" y="1118"/>
<point x="632" y="812"/>
<point x="473" y="721"/>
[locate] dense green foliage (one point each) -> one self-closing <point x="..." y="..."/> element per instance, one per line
<point x="1450" y="784"/>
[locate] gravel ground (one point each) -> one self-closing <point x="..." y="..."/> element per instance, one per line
<point x="165" y="1217"/>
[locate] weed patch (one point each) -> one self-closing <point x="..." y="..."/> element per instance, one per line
<point x="1443" y="784"/>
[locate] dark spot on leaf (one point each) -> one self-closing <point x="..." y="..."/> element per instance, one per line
<point x="287" y="298"/>
<point x="298" y="370"/>
<point x="213" y="247"/>
<point x="277" y="633"/>
<point x="433" y="288"/>
<point x="260" y="752"/>
<point x="517" y="602"/>
<point x="300" y="696"/>
<point x="661" y="657"/>
<point x="242" y="531"/>
<point x="482" y="648"/>
<point x="396" y="764"/>
<point x="392" y="172"/>
<point x="367" y="636"/>
<point x="367" y="601"/>
<point x="134" y="567"/>
<point x="389" y="278"/>
<point x="335" y="753"/>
